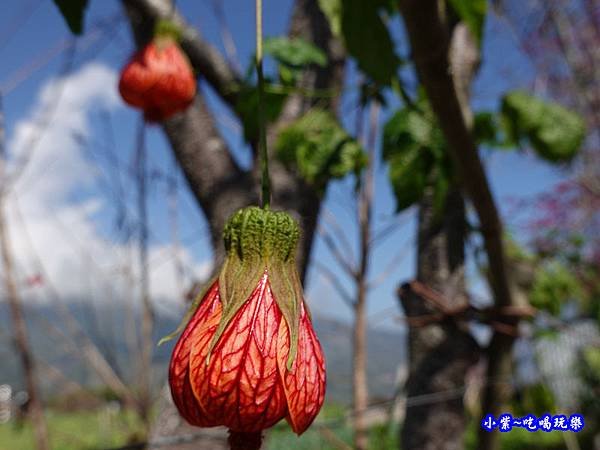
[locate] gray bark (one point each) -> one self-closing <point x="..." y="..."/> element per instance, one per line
<point x="440" y="354"/>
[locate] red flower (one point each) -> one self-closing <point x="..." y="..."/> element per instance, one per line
<point x="159" y="80"/>
<point x="249" y="356"/>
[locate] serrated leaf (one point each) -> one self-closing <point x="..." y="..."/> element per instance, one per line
<point x="472" y="13"/>
<point x="365" y="35"/>
<point x="294" y="52"/>
<point x="319" y="148"/>
<point x="554" y="132"/>
<point x="415" y="149"/>
<point x="408" y="173"/>
<point x="406" y="128"/>
<point x="73" y="12"/>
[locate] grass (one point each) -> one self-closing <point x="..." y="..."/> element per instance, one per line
<point x="101" y="429"/>
<point x="76" y="431"/>
<point x="329" y="432"/>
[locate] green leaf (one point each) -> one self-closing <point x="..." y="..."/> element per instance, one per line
<point x="409" y="173"/>
<point x="73" y="12"/>
<point x="293" y="55"/>
<point x="472" y="13"/>
<point x="488" y="130"/>
<point x="485" y="128"/>
<point x="319" y="149"/>
<point x="296" y="52"/>
<point x="406" y="128"/>
<point x="365" y="35"/>
<point x="554" y="132"/>
<point x="333" y="11"/>
<point x="441" y="187"/>
<point x="554" y="285"/>
<point x="247" y="107"/>
<point x="416" y="152"/>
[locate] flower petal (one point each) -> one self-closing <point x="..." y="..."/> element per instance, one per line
<point x="202" y="326"/>
<point x="240" y="387"/>
<point x="304" y="384"/>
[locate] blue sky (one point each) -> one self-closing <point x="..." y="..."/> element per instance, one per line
<point x="66" y="211"/>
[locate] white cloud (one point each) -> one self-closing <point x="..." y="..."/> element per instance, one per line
<point x="77" y="257"/>
<point x="57" y="165"/>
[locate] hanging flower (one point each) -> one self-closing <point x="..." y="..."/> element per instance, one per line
<point x="249" y="356"/>
<point x="159" y="78"/>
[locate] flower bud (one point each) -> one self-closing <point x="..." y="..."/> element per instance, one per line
<point x="158" y="79"/>
<point x="249" y="356"/>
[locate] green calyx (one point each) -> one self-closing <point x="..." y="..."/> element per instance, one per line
<point x="259" y="240"/>
<point x="167" y="29"/>
<point x="261" y="233"/>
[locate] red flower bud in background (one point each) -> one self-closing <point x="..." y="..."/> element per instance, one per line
<point x="159" y="79"/>
<point x="249" y="356"/>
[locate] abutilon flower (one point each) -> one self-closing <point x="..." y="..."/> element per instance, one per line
<point x="249" y="356"/>
<point x="158" y="79"/>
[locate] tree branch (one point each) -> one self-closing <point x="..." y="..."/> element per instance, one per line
<point x="429" y="38"/>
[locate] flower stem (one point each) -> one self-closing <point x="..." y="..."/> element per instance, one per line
<point x="265" y="181"/>
<point x="244" y="441"/>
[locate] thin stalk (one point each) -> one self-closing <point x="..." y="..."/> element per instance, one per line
<point x="360" y="386"/>
<point x="147" y="310"/>
<point x="241" y="440"/>
<point x="265" y="181"/>
<point x="244" y="441"/>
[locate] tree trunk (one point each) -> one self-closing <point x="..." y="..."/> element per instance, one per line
<point x="440" y="354"/>
<point x="428" y="29"/>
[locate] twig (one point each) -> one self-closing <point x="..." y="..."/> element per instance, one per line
<point x="226" y="36"/>
<point x="335" y="282"/>
<point x="340" y="234"/>
<point x="147" y="309"/>
<point x="391" y="266"/>
<point x="380" y="235"/>
<point x="335" y="251"/>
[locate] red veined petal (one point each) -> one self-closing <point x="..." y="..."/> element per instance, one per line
<point x="240" y="387"/>
<point x="202" y="326"/>
<point x="304" y="384"/>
